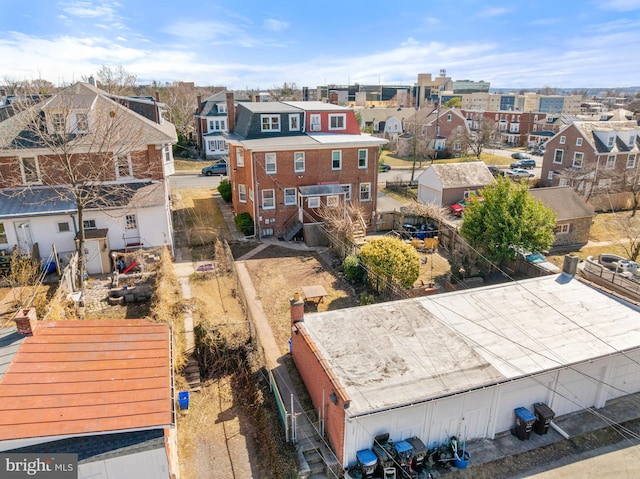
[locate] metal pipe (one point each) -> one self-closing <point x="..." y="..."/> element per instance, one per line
<point x="559" y="430"/>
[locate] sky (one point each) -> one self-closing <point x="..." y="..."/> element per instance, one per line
<point x="259" y="44"/>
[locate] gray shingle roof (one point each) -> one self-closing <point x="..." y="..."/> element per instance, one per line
<point x="565" y="202"/>
<point x="459" y="175"/>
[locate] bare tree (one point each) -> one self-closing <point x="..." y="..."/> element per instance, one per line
<point x="180" y="100"/>
<point x="84" y="143"/>
<point x="116" y="80"/>
<point x="477" y="140"/>
<point x="286" y="92"/>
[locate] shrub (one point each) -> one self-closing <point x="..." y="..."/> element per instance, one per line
<point x="225" y="190"/>
<point x="244" y="223"/>
<point x="353" y="270"/>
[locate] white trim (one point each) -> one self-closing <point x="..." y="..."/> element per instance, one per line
<point x="269" y="125"/>
<point x="366" y="159"/>
<point x="367" y="190"/>
<point x="287" y="198"/>
<point x="339" y="167"/>
<point x="298" y="155"/>
<point x="270" y="163"/>
<point x="313" y="202"/>
<point x="294" y="118"/>
<point x="242" y="193"/>
<point x="273" y="198"/>
<point x="23" y="173"/>
<point x="342" y="125"/>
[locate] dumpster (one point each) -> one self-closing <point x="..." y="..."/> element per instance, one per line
<point x="544" y="415"/>
<point x="183" y="399"/>
<point x="524" y="423"/>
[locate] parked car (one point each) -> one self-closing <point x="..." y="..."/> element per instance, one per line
<point x="495" y="171"/>
<point x="518" y="173"/>
<point x="219" y="168"/>
<point x="518" y="155"/>
<point x="458" y="208"/>
<point x="541" y="262"/>
<point x="527" y="164"/>
<point x="538" y="151"/>
<point x="383" y="167"/>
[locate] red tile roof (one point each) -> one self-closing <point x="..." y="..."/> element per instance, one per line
<point x="83" y="377"/>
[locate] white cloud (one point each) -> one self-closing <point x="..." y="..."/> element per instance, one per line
<point x="90" y="10"/>
<point x="275" y="25"/>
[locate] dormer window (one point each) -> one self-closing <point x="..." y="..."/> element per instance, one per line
<point x="294" y="122"/>
<point x="337" y="122"/>
<point x="58" y="122"/>
<point x="82" y="123"/>
<point x="123" y="166"/>
<point x="270" y="123"/>
<point x="632" y="141"/>
<point x="30" y="170"/>
<point x="610" y="142"/>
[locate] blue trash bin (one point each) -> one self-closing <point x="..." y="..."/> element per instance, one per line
<point x="183" y="399"/>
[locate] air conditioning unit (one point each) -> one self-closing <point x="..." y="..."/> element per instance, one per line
<point x="315" y="127"/>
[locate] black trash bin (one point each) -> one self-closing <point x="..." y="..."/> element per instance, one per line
<point x="544" y="415"/>
<point x="524" y="423"/>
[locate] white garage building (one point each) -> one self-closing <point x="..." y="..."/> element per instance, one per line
<point x="460" y="363"/>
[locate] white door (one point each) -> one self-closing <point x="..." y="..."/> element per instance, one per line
<point x="92" y="258"/>
<point x="25" y="241"/>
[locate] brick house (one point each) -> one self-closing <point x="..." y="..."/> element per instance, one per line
<point x="598" y="159"/>
<point x="437" y="130"/>
<point x="286" y="159"/>
<point x="118" y="149"/>
<point x="574" y="216"/>
<point x="513" y="127"/>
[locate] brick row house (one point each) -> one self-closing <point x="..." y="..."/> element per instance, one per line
<point x="598" y="159"/>
<point x="513" y="127"/>
<point x="289" y="159"/>
<point x="114" y="152"/>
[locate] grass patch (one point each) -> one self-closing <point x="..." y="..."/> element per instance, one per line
<point x="202" y="217"/>
<point x="190" y="165"/>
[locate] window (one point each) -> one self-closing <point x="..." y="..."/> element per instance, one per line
<point x="89" y="224"/>
<point x="347" y="190"/>
<point x="270" y="163"/>
<point x="563" y="140"/>
<point x="562" y="229"/>
<point x="222" y="124"/>
<point x="82" y="123"/>
<point x="562" y="182"/>
<point x="166" y="152"/>
<point x="222" y="108"/>
<point x="313" y="202"/>
<point x="578" y="141"/>
<point x="294" y="122"/>
<point x="362" y="158"/>
<point x="3" y="234"/>
<point x="270" y="122"/>
<point x="631" y="161"/>
<point x="336" y="160"/>
<point x="337" y="122"/>
<point x="30" y="170"/>
<point x="314" y="120"/>
<point x="242" y="193"/>
<point x="457" y="146"/>
<point x="298" y="162"/>
<point x="449" y="117"/>
<point x="332" y="201"/>
<point x="365" y="191"/>
<point x="57" y="122"/>
<point x="123" y="166"/>
<point x="217" y="145"/>
<point x="239" y="157"/>
<point x="459" y="129"/>
<point x="130" y="222"/>
<point x="268" y="199"/>
<point x="577" y="160"/>
<point x="289" y="196"/>
<point x="632" y="141"/>
<point x="557" y="156"/>
<point x="610" y="142"/>
<point x="611" y="162"/>
<point x="63" y="227"/>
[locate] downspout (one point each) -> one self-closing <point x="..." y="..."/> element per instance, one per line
<point x="256" y="217"/>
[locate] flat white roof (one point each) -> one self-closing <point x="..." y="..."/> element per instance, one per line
<point x="400" y="352"/>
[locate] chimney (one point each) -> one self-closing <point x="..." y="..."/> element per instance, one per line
<point x="231" y="112"/>
<point x="257" y="99"/>
<point x="570" y="265"/>
<point x="92" y="81"/>
<point x="158" y="96"/>
<point x="26" y="321"/>
<point x="297" y="309"/>
<point x="199" y="105"/>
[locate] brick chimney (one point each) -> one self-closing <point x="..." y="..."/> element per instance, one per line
<point x="231" y="112"/>
<point x="297" y="309"/>
<point x="26" y="321"/>
<point x="158" y="96"/>
<point x="199" y="105"/>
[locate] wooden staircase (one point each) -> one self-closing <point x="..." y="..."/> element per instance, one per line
<point x="192" y="373"/>
<point x="359" y="231"/>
